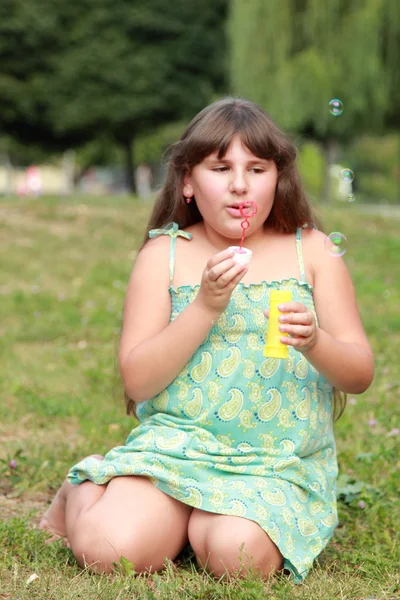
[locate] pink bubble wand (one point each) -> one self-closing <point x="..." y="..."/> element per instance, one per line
<point x="245" y="224"/>
<point x="247" y="210"/>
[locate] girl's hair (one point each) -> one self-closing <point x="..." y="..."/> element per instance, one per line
<point x="212" y="131"/>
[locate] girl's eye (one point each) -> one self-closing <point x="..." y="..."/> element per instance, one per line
<point x="254" y="169"/>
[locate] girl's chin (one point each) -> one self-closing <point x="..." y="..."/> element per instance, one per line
<point x="230" y="230"/>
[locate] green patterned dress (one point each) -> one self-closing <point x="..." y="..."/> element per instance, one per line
<point x="237" y="433"/>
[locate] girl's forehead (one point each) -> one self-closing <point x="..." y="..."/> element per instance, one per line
<point x="236" y="147"/>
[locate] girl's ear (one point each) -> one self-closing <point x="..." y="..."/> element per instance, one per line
<point x="187" y="191"/>
<point x="187" y="185"/>
<point x="186" y="178"/>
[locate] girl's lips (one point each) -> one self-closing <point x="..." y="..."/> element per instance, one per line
<point x="234" y="212"/>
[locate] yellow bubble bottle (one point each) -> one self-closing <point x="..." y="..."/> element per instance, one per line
<point x="274" y="348"/>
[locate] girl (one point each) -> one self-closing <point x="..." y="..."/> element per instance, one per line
<point x="234" y="453"/>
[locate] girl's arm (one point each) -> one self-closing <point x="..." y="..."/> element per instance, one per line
<point x="342" y="353"/>
<point x="153" y="351"/>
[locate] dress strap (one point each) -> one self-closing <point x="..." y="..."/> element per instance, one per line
<point x="172" y="229"/>
<point x="299" y="249"/>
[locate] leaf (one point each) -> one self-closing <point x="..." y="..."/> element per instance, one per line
<point x="348" y="488"/>
<point x="126" y="566"/>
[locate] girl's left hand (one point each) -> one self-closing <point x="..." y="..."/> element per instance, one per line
<point x="299" y="322"/>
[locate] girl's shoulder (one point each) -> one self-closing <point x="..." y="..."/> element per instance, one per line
<point x="159" y="239"/>
<point x="159" y="249"/>
<point x="318" y="246"/>
<point x="153" y="256"/>
<point x="155" y="246"/>
<point x="312" y="239"/>
<point x="312" y="235"/>
<point x="313" y="244"/>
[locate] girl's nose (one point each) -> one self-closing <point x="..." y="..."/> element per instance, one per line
<point x="238" y="183"/>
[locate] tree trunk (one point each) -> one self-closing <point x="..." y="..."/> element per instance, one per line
<point x="68" y="169"/>
<point x="8" y="184"/>
<point x="130" y="165"/>
<point x="330" y="147"/>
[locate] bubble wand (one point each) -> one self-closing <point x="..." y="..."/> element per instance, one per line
<point x="247" y="210"/>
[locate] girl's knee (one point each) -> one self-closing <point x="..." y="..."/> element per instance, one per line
<point x="100" y="553"/>
<point x="237" y="550"/>
<point x="99" y="544"/>
<point x="132" y="519"/>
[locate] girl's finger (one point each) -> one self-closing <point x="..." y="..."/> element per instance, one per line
<point x="297" y="307"/>
<point x="303" y="318"/>
<point x="239" y="276"/>
<point x="219" y="258"/>
<point x="229" y="276"/>
<point x="215" y="272"/>
<point x="289" y="341"/>
<point x="297" y="330"/>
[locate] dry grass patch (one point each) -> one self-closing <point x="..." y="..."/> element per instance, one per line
<point x="18" y="221"/>
<point x="33" y="432"/>
<point x="30" y="503"/>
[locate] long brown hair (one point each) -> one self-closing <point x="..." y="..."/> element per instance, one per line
<point x="211" y="131"/>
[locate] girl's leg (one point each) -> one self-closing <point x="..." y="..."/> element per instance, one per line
<point x="225" y="544"/>
<point x="53" y="521"/>
<point x="128" y="517"/>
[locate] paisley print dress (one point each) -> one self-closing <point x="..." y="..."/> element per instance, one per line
<point x="237" y="433"/>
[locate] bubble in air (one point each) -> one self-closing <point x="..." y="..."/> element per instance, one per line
<point x="351" y="198"/>
<point x="346" y="175"/>
<point x="336" y="107"/>
<point x="336" y="244"/>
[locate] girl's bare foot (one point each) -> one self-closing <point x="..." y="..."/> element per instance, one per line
<point x="53" y="521"/>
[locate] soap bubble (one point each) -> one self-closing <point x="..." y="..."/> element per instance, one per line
<point x="346" y="175"/>
<point x="335" y="107"/>
<point x="336" y="244"/>
<point x="351" y="197"/>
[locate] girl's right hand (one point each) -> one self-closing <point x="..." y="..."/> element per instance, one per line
<point x="219" y="279"/>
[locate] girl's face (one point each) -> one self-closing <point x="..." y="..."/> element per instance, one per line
<point x="220" y="185"/>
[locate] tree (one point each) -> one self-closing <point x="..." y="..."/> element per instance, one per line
<point x="30" y="35"/>
<point x="105" y="67"/>
<point x="294" y="56"/>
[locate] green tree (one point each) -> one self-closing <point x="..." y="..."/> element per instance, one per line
<point x="294" y="56"/>
<point x="106" y="68"/>
<point x="31" y="34"/>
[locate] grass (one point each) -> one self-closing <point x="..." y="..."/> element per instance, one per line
<point x="65" y="267"/>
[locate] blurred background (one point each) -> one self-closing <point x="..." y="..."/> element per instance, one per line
<point x="93" y="92"/>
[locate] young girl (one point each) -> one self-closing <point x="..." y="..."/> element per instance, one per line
<point x="234" y="452"/>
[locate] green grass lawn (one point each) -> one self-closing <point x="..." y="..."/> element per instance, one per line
<point x="65" y="267"/>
